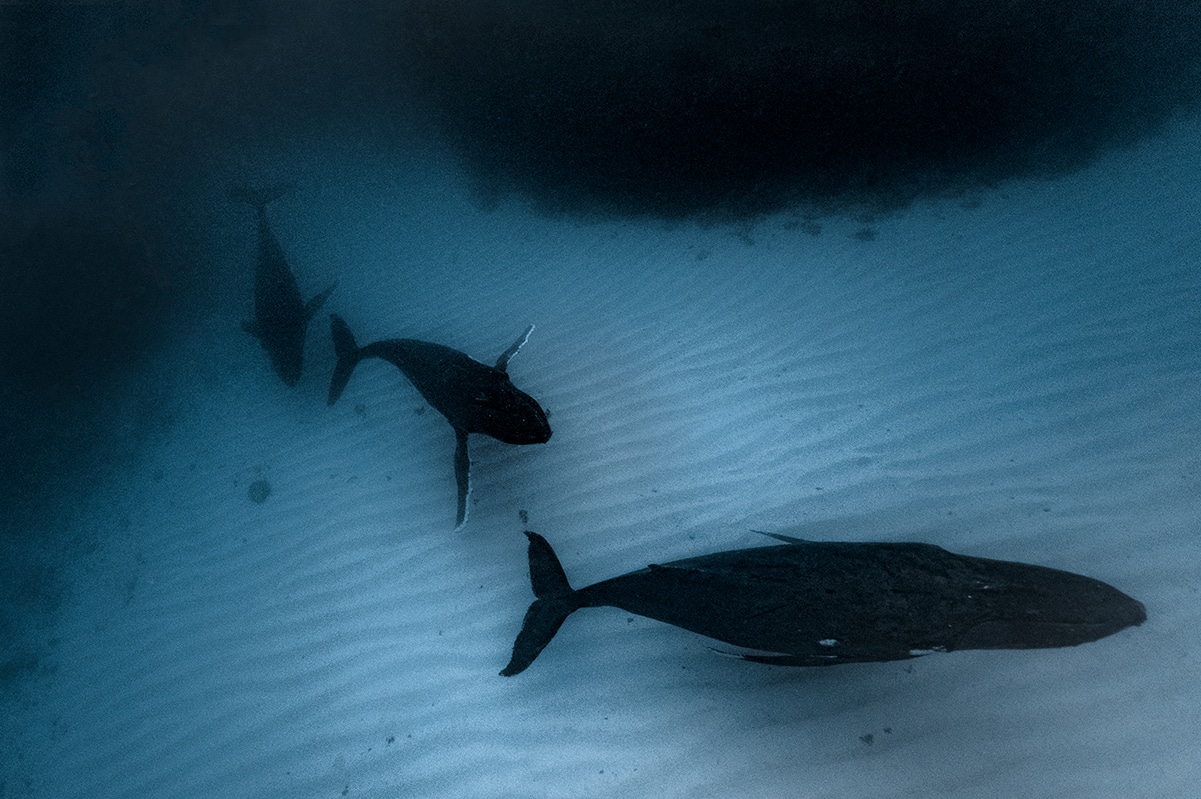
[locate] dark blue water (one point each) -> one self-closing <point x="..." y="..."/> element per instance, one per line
<point x="859" y="273"/>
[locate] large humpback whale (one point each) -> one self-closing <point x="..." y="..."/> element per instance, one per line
<point x="474" y="397"/>
<point x="281" y="317"/>
<point x="806" y="603"/>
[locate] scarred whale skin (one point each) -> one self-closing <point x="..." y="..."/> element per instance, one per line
<point x="474" y="397"/>
<point x="807" y="603"/>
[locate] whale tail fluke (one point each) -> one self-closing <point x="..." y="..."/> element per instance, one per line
<point x="556" y="600"/>
<point x="347" y="350"/>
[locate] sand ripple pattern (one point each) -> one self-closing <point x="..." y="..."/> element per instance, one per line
<point x="1016" y="381"/>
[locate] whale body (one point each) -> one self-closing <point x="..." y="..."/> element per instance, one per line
<point x="474" y="397"/>
<point x="806" y="603"/>
<point x="281" y="316"/>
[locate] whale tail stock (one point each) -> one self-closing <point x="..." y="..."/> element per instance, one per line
<point x="555" y="601"/>
<point x="259" y="197"/>
<point x="347" y="350"/>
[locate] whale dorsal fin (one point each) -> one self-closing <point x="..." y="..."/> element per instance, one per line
<point x="502" y="363"/>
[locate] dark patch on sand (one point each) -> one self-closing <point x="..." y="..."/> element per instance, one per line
<point x="259" y="491"/>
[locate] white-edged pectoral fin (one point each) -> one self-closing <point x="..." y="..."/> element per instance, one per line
<point x="462" y="476"/>
<point x="502" y="363"/>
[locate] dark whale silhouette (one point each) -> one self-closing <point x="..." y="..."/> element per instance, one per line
<point x="281" y="317"/>
<point x="806" y="603"/>
<point x="474" y="397"/>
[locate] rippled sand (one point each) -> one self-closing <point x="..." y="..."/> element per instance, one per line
<point x="1016" y="380"/>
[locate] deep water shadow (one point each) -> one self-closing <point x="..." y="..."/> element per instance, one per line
<point x="706" y="108"/>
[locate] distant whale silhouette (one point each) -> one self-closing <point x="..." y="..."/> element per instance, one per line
<point x="807" y="603"/>
<point x="474" y="397"/>
<point x="281" y="317"/>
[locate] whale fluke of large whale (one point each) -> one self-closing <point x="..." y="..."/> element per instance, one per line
<point x="474" y="397"/>
<point x="281" y="316"/>
<point x="806" y="603"/>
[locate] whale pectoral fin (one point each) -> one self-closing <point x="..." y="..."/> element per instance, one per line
<point x="314" y="305"/>
<point x="502" y="363"/>
<point x="782" y="660"/>
<point x="462" y="475"/>
<point x="757" y="657"/>
<point x="823" y="660"/>
<point x="794" y="660"/>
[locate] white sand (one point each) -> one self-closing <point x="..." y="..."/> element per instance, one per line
<point x="1017" y="380"/>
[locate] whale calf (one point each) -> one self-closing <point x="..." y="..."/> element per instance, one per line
<point x="807" y="603"/>
<point x="474" y="397"/>
<point x="281" y="317"/>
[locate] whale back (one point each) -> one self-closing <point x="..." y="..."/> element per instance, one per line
<point x="825" y="603"/>
<point x="474" y="397"/>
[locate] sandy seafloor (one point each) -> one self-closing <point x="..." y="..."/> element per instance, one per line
<point x="1013" y="374"/>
